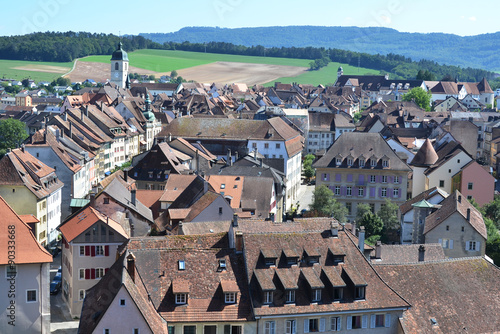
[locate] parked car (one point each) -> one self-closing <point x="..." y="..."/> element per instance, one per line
<point x="55" y="287"/>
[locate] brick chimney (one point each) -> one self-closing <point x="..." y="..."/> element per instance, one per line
<point x="334" y="228"/>
<point x="92" y="199"/>
<point x="361" y="238"/>
<point x="132" y="196"/>
<point x="378" y="250"/>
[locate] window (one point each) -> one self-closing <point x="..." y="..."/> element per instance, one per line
<point x="81" y="294"/>
<point x="446" y="243"/>
<point x="99" y="250"/>
<point x="349" y="191"/>
<point x="313" y="325"/>
<point x="337" y="190"/>
<point x="379" y="320"/>
<point x="266" y="145"/>
<point x="278" y="145"/>
<point x="316" y="296"/>
<point x="385" y="163"/>
<point x="338" y="293"/>
<point x="290" y="296"/>
<point x="99" y="273"/>
<point x="31" y="296"/>
<point x="348" y="205"/>
<point x="212" y="329"/>
<point x="236" y="329"/>
<point x="291" y="327"/>
<point x="441" y="183"/>
<point x="81" y="273"/>
<point x="10" y="271"/>
<point x="268" y="297"/>
<point x="269" y="327"/>
<point x="359" y="292"/>
<point x="372" y="178"/>
<point x="384" y="178"/>
<point x="463" y="228"/>
<point x="356" y="322"/>
<point x="116" y="66"/>
<point x="349" y="161"/>
<point x="384" y="192"/>
<point x="105" y="331"/>
<point x="82" y="250"/>
<point x="472" y="246"/>
<point x="220" y="210"/>
<point x="189" y="329"/>
<point x="180" y="298"/>
<point x="181" y="265"/>
<point x="361" y="162"/>
<point x="335" y="324"/>
<point x="469" y="186"/>
<point x="122" y="302"/>
<point x="223" y="186"/>
<point x="447" y="227"/>
<point x="361" y="192"/>
<point x="469" y="197"/>
<point x="338" y="161"/>
<point x="106" y="200"/>
<point x="373" y="162"/>
<point x="230" y="297"/>
<point x="396" y="179"/>
<point x="136" y="330"/>
<point x="395" y="192"/>
<point x="171" y="329"/>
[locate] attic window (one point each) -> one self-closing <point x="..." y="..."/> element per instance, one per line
<point x="338" y="161"/>
<point x="385" y="163"/>
<point x="222" y="264"/>
<point x="373" y="162"/>
<point x="223" y="186"/>
<point x="181" y="265"/>
<point x="349" y="161"/>
<point x="361" y="162"/>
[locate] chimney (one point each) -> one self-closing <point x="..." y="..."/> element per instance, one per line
<point x="261" y="163"/>
<point x="132" y="196"/>
<point x="236" y="156"/>
<point x="361" y="238"/>
<point x="87" y="110"/>
<point x="468" y="214"/>
<point x="235" y="220"/>
<point x="58" y="134"/>
<point x="131" y="266"/>
<point x="334" y="228"/>
<point x="169" y="137"/>
<point x="255" y="154"/>
<point x="81" y="115"/>
<point x="65" y="116"/>
<point x="353" y="228"/>
<point x="92" y="199"/>
<point x="125" y="175"/>
<point x="378" y="250"/>
<point x="239" y="242"/>
<point x="228" y="158"/>
<point x="22" y="148"/>
<point x="421" y="253"/>
<point x="197" y="162"/>
<point x="70" y="130"/>
<point x="179" y="228"/>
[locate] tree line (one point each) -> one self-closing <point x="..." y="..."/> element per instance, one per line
<point x="66" y="46"/>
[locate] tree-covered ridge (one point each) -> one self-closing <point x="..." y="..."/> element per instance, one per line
<point x="55" y="46"/>
<point x="468" y="51"/>
<point x="66" y="46"/>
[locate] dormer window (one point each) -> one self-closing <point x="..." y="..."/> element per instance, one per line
<point x="181" y="265"/>
<point x="230" y="297"/>
<point x="270" y="262"/>
<point x="290" y="296"/>
<point x="361" y="162"/>
<point x="222" y="264"/>
<point x="291" y="261"/>
<point x="338" y="294"/>
<point x="316" y="295"/>
<point x="349" y="161"/>
<point x="385" y="163"/>
<point x="181" y="298"/>
<point x="373" y="162"/>
<point x="269" y="256"/>
<point x="268" y="297"/>
<point x="359" y="292"/>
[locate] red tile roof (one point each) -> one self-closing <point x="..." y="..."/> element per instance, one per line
<point x="27" y="249"/>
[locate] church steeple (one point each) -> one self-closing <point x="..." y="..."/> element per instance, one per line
<point x="119" y="67"/>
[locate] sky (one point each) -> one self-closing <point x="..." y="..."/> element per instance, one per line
<point x="146" y="16"/>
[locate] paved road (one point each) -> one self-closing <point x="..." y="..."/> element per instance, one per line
<point x="305" y="196"/>
<point x="60" y="318"/>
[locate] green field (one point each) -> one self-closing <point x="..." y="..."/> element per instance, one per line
<point x="326" y="75"/>
<point x="8" y="70"/>
<point x="167" y="61"/>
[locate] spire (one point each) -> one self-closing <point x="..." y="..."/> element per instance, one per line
<point x="127" y="82"/>
<point x="426" y="155"/>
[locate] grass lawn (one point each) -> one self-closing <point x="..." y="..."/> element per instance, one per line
<point x="326" y="75"/>
<point x="35" y="70"/>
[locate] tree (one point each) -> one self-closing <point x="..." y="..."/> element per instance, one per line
<point x="362" y="208"/>
<point x="307" y="168"/>
<point x="372" y="223"/>
<point x="325" y="205"/>
<point x="25" y="82"/>
<point x="493" y="241"/>
<point x="12" y="134"/>
<point x="421" y="97"/>
<point x="389" y="215"/>
<point x="173" y="74"/>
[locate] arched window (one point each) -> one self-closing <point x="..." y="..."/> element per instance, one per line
<point x="116" y="66"/>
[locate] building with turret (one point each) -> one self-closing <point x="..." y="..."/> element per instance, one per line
<point x="119" y="67"/>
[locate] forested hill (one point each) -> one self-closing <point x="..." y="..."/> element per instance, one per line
<point x="479" y="51"/>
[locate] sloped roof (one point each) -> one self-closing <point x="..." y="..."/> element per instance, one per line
<point x="446" y="291"/>
<point x="456" y="202"/>
<point x="401" y="254"/>
<point x="80" y="222"/>
<point x="426" y="155"/>
<point x="27" y="248"/>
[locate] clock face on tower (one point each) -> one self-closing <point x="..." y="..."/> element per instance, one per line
<point x="116" y="74"/>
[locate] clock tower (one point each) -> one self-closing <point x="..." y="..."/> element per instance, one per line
<point x="119" y="67"/>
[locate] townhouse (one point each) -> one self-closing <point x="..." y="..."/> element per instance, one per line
<point x="363" y="168"/>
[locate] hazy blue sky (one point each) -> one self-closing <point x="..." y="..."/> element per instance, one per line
<point x="133" y="17"/>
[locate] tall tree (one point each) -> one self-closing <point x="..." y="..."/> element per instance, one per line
<point x="325" y="205"/>
<point x="12" y="134"/>
<point x="421" y="97"/>
<point x="372" y="223"/>
<point x="389" y="214"/>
